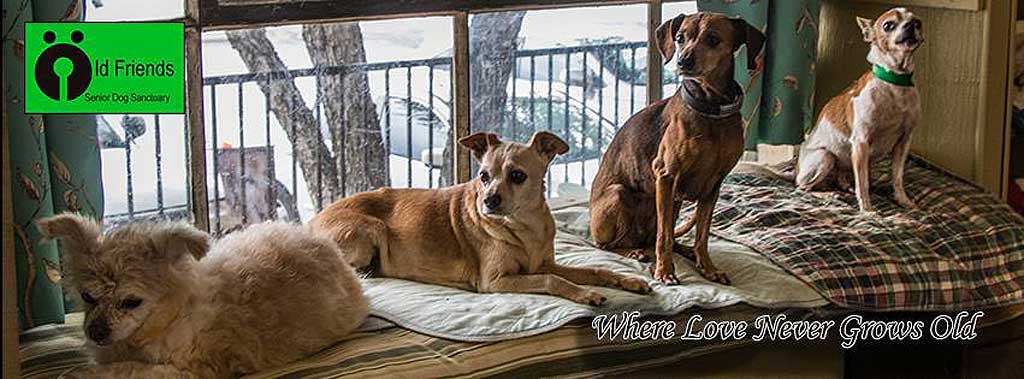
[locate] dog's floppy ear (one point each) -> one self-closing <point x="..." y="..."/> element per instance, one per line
<point x="81" y="235"/>
<point x="667" y="36"/>
<point x="548" y="145"/>
<point x="748" y="34"/>
<point x="479" y="143"/>
<point x="867" y="27"/>
<point x="172" y="240"/>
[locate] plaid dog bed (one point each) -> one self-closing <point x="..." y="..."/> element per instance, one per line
<point x="962" y="249"/>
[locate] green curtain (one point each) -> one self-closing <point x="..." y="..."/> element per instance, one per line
<point x="779" y="98"/>
<point x="55" y="166"/>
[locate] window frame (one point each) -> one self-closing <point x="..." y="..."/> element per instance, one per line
<point x="212" y="15"/>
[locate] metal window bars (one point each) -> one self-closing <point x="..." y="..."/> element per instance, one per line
<point x="585" y="126"/>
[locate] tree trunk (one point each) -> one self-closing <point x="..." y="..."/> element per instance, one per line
<point x="351" y="115"/>
<point x="357" y="159"/>
<point x="297" y="120"/>
<point x="492" y="47"/>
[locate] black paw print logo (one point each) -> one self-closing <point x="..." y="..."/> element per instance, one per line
<point x="47" y="77"/>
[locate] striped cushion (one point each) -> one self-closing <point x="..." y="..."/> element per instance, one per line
<point x="48" y="351"/>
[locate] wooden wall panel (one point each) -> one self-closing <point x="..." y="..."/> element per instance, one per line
<point x="993" y="133"/>
<point x="953" y="4"/>
<point x="949" y="75"/>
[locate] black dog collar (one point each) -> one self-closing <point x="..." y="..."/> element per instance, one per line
<point x="695" y="98"/>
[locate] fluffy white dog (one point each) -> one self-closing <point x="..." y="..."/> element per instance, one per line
<point x="159" y="305"/>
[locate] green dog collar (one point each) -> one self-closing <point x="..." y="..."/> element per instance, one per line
<point x="902" y="80"/>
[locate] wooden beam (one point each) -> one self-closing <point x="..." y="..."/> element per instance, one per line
<point x="1004" y="175"/>
<point x="226" y="14"/>
<point x="653" y="55"/>
<point x="970" y="5"/>
<point x="12" y="364"/>
<point x="990" y="170"/>
<point x="194" y="117"/>
<point x="460" y="80"/>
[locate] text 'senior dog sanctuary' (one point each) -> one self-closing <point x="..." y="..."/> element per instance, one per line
<point x="104" y="67"/>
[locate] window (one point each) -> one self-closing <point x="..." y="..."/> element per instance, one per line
<point x="299" y="116"/>
<point x="577" y="72"/>
<point x="144" y="157"/>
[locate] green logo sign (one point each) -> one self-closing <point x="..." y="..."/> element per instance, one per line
<point x="104" y="67"/>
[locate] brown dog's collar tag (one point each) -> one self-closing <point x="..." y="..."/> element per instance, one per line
<point x="694" y="98"/>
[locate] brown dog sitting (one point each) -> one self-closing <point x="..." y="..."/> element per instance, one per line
<point x="677" y="149"/>
<point x="492" y="234"/>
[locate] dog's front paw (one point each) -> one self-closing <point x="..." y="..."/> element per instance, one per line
<point x="638" y="254"/>
<point x="713" y="274"/>
<point x="590" y="297"/>
<point x="666" y="273"/>
<point x="634" y="284"/>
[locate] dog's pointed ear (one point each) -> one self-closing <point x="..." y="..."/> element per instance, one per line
<point x="548" y="145"/>
<point x="81" y="234"/>
<point x="752" y="37"/>
<point x="172" y="240"/>
<point x="666" y="34"/>
<point x="479" y="143"/>
<point x="867" y="28"/>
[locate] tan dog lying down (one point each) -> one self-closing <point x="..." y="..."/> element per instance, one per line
<point x="265" y="296"/>
<point x="492" y="234"/>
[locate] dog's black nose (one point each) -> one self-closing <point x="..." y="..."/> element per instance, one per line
<point x="687" y="62"/>
<point x="493" y="201"/>
<point x="98" y="331"/>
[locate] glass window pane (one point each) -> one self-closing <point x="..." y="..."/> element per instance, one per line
<point x="144" y="167"/>
<point x="352" y="107"/>
<point x="143" y="157"/>
<point x="577" y="72"/>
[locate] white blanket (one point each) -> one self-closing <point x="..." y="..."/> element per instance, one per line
<point x="467" y="316"/>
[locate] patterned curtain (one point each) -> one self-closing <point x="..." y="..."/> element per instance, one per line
<point x="55" y="166"/>
<point x="778" y="107"/>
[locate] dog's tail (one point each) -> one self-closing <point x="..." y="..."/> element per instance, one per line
<point x="682" y="230"/>
<point x="779" y="170"/>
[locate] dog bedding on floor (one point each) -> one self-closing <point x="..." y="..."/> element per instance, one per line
<point x="467" y="316"/>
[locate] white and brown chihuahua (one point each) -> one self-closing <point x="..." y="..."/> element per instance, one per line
<point x="872" y="119"/>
